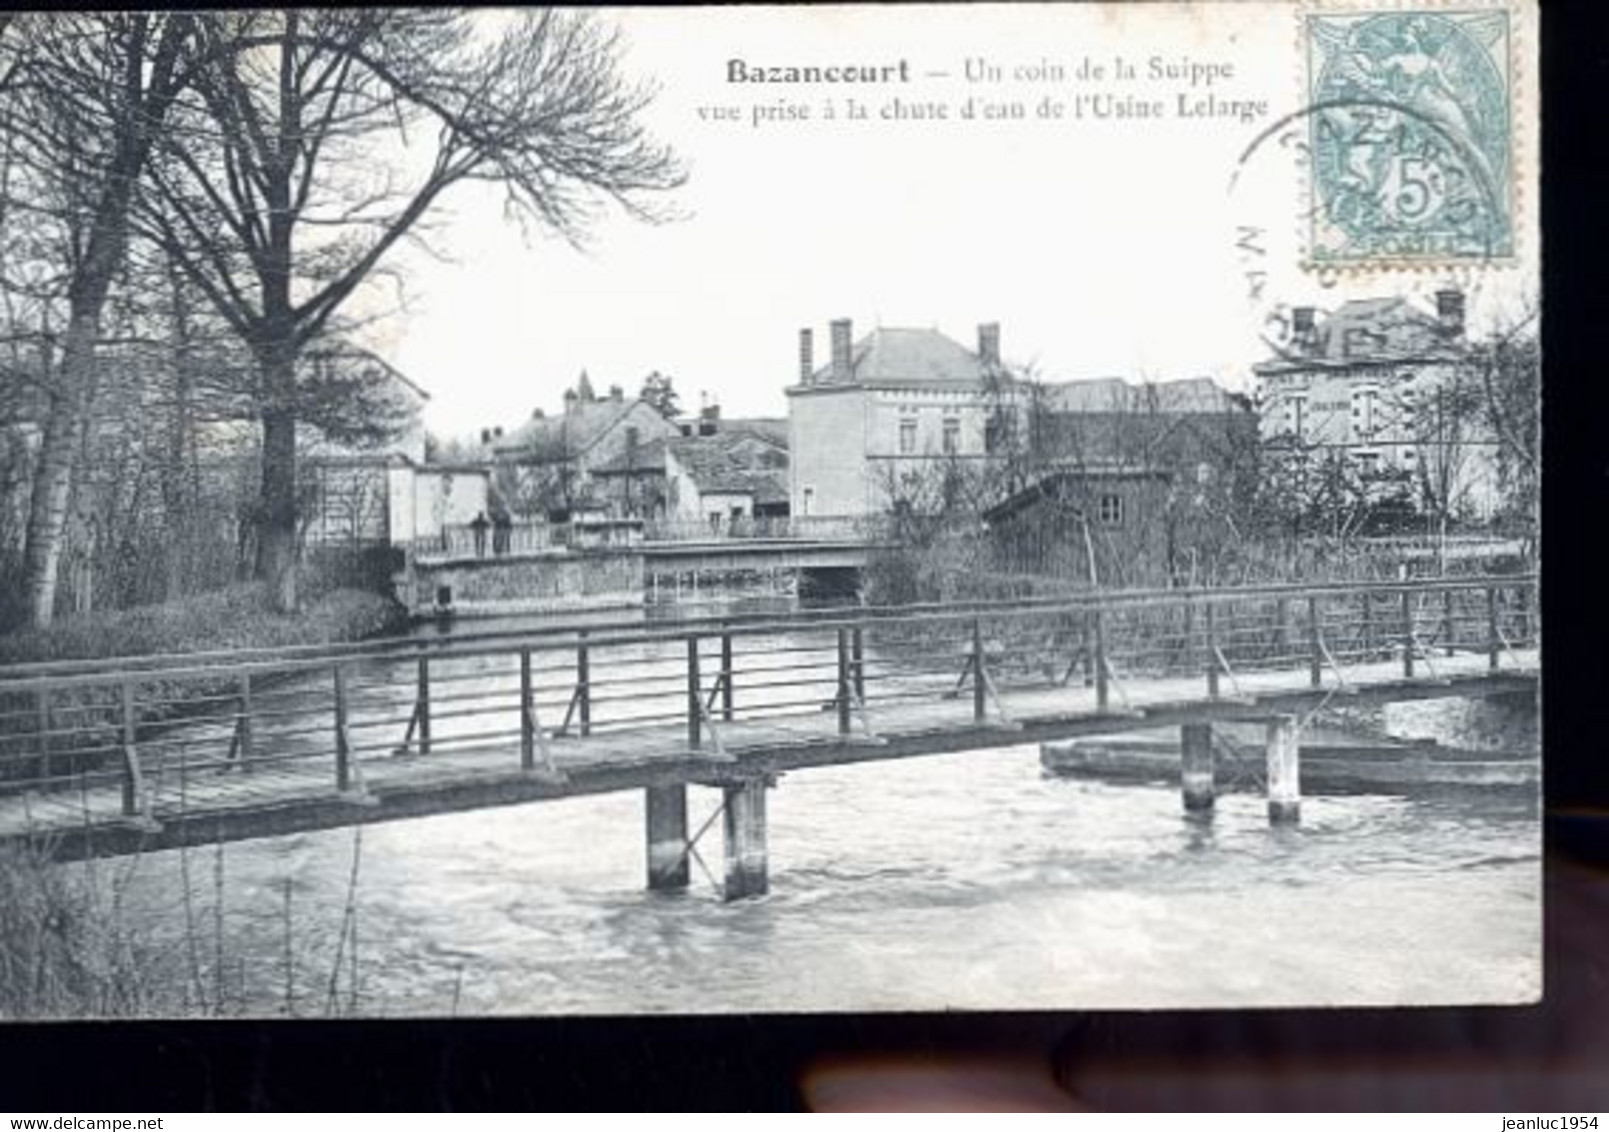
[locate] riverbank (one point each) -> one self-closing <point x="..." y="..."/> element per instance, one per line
<point x="72" y="729"/>
<point x="237" y="617"/>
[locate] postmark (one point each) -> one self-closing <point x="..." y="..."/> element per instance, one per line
<point x="1410" y="138"/>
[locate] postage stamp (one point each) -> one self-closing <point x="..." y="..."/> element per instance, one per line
<point x="1411" y="137"/>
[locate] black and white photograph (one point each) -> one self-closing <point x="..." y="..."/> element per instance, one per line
<point x="781" y="510"/>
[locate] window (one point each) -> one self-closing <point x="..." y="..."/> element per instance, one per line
<point x="807" y="501"/>
<point x="1365" y="414"/>
<point x="952" y="436"/>
<point x="1296" y="414"/>
<point x="1111" y="510"/>
<point x="907" y="437"/>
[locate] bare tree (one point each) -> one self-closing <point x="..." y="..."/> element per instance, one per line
<point x="279" y="203"/>
<point x="86" y="98"/>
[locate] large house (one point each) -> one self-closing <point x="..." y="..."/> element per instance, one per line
<point x="1383" y="387"/>
<point x="892" y="404"/>
<point x="545" y="468"/>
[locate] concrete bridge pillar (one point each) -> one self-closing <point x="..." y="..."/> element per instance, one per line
<point x="1196" y="765"/>
<point x="1284" y="771"/>
<point x="745" y="840"/>
<point x="668" y="865"/>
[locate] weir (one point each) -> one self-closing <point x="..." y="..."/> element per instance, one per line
<point x="111" y="757"/>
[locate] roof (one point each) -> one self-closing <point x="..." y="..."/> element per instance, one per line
<point x="648" y="457"/>
<point x="774" y="429"/>
<point x="1371" y="330"/>
<point x="902" y="354"/>
<point x="348" y="351"/>
<point x="730" y="463"/>
<point x="565" y="435"/>
<point x="1114" y="395"/>
<point x="1063" y="486"/>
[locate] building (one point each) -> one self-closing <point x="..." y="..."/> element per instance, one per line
<point x="545" y="468"/>
<point x="727" y="477"/>
<point x="1192" y="428"/>
<point x="716" y="471"/>
<point x="1127" y="484"/>
<point x="897" y="403"/>
<point x="1111" y="526"/>
<point x="1381" y="387"/>
<point x="359" y="493"/>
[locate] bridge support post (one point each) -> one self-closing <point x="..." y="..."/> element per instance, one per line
<point x="1315" y="643"/>
<point x="668" y="865"/>
<point x="1284" y="771"/>
<point x="422" y="705"/>
<point x="1196" y="767"/>
<point x="1102" y="691"/>
<point x="841" y="700"/>
<point x="1407" y="634"/>
<point x="726" y="677"/>
<point x="583" y="682"/>
<point x="1493" y="640"/>
<point x="745" y="840"/>
<point x="695" y="734"/>
<point x="1212" y="651"/>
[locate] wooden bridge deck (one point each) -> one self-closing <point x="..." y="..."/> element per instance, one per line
<point x="184" y="788"/>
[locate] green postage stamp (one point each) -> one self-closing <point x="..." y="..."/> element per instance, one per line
<point x="1411" y="137"/>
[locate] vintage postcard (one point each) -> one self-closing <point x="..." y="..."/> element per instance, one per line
<point x="774" y="509"/>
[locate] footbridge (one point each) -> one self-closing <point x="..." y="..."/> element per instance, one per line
<point x="120" y="757"/>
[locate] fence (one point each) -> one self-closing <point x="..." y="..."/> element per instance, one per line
<point x="826" y="528"/>
<point x="157" y="729"/>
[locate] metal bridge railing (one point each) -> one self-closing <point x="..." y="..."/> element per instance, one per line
<point x="156" y="735"/>
<point x="825" y="528"/>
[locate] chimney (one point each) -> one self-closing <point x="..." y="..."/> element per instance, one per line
<point x="1303" y="332"/>
<point x="841" y="350"/>
<point x="616" y="394"/>
<point x="570" y="399"/>
<point x="807" y="366"/>
<point x="485" y="436"/>
<point x="989" y="344"/>
<point x="1450" y="312"/>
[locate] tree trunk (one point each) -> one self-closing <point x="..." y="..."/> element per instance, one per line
<point x="276" y="537"/>
<point x="103" y="251"/>
<point x="53" y="476"/>
<point x="178" y="525"/>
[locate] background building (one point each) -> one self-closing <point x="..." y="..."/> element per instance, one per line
<point x="545" y="467"/>
<point x="897" y="403"/>
<point x="1382" y="390"/>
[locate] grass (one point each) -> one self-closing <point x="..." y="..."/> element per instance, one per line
<point x="73" y="946"/>
<point x="236" y="617"/>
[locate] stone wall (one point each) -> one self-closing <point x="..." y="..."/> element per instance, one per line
<point x="556" y="580"/>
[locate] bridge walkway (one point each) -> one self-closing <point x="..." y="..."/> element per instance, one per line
<point x="269" y="744"/>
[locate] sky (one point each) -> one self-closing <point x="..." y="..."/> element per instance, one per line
<point x="1103" y="247"/>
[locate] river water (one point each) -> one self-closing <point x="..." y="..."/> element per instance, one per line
<point x="970" y="880"/>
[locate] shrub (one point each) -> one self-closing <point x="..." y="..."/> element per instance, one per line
<point x="234" y="618"/>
